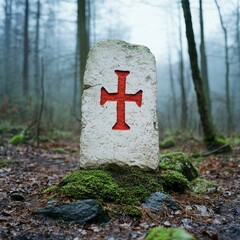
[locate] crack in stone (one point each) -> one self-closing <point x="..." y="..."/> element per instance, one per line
<point x="86" y="86"/>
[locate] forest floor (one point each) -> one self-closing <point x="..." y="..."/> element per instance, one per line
<point x="213" y="215"/>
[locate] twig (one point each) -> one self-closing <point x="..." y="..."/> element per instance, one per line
<point x="215" y="150"/>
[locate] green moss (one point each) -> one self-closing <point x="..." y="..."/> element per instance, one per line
<point x="129" y="187"/>
<point x="200" y="185"/>
<point x="17" y="139"/>
<point x="167" y="143"/>
<point x="196" y="154"/>
<point x="2" y="143"/>
<point x="4" y="163"/>
<point x="97" y="184"/>
<point x="59" y="133"/>
<point x="169" y="234"/>
<point x="131" y="211"/>
<point x="137" y="184"/>
<point x="179" y="162"/>
<point x="174" y="181"/>
<point x="59" y="150"/>
<point x="50" y="189"/>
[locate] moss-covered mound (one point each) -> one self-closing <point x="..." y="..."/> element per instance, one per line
<point x="138" y="185"/>
<point x="179" y="162"/>
<point x="200" y="185"/>
<point x="174" y="181"/>
<point x="96" y="184"/>
<point x="167" y="143"/>
<point x="17" y="139"/>
<point x="169" y="234"/>
<point x="129" y="187"/>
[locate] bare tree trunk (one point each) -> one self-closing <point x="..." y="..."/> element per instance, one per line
<point x="238" y="33"/>
<point x="93" y="19"/>
<point x="172" y="85"/>
<point x="238" y="49"/>
<point x="41" y="104"/>
<point x="36" y="60"/>
<point x="184" y="108"/>
<point x="83" y="37"/>
<point x="206" y="121"/>
<point x="26" y="50"/>
<point x="7" y="47"/>
<point x="204" y="68"/>
<point x="228" y="101"/>
<point x="76" y="74"/>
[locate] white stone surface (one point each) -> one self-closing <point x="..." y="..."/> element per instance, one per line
<point x="100" y="145"/>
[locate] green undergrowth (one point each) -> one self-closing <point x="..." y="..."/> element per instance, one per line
<point x="17" y="139"/>
<point x="167" y="143"/>
<point x="4" y="162"/>
<point x="163" y="233"/>
<point x="200" y="185"/>
<point x="2" y="143"/>
<point x="59" y="150"/>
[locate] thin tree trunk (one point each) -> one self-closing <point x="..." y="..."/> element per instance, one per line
<point x="172" y="85"/>
<point x="204" y="68"/>
<point x="37" y="87"/>
<point x="7" y="47"/>
<point x="238" y="49"/>
<point x="41" y="104"/>
<point x="16" y="65"/>
<point x="93" y="33"/>
<point x="184" y="108"/>
<point x="238" y="33"/>
<point x="226" y="49"/>
<point x="26" y="51"/>
<point x="83" y="37"/>
<point x="206" y="121"/>
<point x="75" y="85"/>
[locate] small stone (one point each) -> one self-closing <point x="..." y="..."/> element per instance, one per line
<point x="125" y="226"/>
<point x="189" y="208"/>
<point x="178" y="212"/>
<point x="17" y="197"/>
<point x="95" y="229"/>
<point x="144" y="225"/>
<point x="155" y="202"/>
<point x="167" y="223"/>
<point x="217" y="221"/>
<point x="202" y="210"/>
<point x="81" y="212"/>
<point x="186" y="220"/>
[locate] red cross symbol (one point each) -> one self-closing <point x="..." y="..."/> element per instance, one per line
<point x="121" y="97"/>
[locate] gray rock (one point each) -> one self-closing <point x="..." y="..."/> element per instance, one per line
<point x="155" y="202"/>
<point x="17" y="197"/>
<point x="81" y="212"/>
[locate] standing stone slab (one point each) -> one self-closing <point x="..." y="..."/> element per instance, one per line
<point x="119" y="121"/>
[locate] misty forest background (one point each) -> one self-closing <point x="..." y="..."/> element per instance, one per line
<point x="44" y="45"/>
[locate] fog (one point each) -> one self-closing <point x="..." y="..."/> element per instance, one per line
<point x="155" y="24"/>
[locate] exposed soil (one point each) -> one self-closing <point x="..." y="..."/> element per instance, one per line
<point x="213" y="215"/>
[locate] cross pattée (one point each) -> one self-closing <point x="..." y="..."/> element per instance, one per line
<point x="121" y="97"/>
